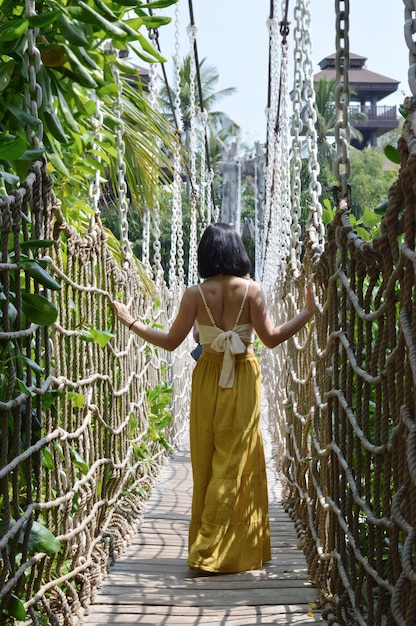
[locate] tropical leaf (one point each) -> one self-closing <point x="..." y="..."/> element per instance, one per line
<point x="38" y="309"/>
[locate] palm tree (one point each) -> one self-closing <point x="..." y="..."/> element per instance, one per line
<point x="327" y="120"/>
<point x="218" y="123"/>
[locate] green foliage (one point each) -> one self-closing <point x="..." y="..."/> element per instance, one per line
<point x="392" y="154"/>
<point x="158" y="399"/>
<point x="327" y="120"/>
<point x="91" y="334"/>
<point x="40" y="540"/>
<point x="77" y="70"/>
<point x="217" y="121"/>
<point x="78" y="67"/>
<point x="160" y="417"/>
<point x="370" y="179"/>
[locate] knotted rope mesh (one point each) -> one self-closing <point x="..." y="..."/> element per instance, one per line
<point x="81" y="444"/>
<point x="341" y="398"/>
<point x="344" y="412"/>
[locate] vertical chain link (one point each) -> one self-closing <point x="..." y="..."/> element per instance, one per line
<point x="122" y="202"/>
<point x="342" y="96"/>
<point x="146" y="239"/>
<point x="177" y="162"/>
<point x="33" y="92"/>
<point x="94" y="191"/>
<point x="203" y="188"/>
<point x="284" y="205"/>
<point x="146" y="218"/>
<point x="273" y="27"/>
<point x="409" y="33"/>
<point x="316" y="226"/>
<point x="297" y="125"/>
<point x="192" y="269"/>
<point x="277" y="214"/>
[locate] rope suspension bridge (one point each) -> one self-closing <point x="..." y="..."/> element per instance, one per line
<point x="86" y="441"/>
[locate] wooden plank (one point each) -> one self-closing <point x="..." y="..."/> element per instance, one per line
<point x="151" y="584"/>
<point x="231" y="617"/>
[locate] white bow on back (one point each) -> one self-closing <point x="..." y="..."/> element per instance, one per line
<point x="230" y="343"/>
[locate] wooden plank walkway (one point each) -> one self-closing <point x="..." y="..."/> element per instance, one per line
<point x="151" y="583"/>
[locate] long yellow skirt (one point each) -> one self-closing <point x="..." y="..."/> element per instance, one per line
<point x="229" y="530"/>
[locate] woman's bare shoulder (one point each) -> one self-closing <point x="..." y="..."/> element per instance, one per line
<point x="254" y="288"/>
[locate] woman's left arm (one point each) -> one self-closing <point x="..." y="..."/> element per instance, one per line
<point x="168" y="340"/>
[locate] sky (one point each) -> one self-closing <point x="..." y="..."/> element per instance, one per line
<point x="232" y="36"/>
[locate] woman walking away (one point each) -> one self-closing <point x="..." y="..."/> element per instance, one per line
<point x="229" y="529"/>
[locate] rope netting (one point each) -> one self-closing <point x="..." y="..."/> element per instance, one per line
<point x="89" y="413"/>
<point x="82" y="444"/>
<point x="341" y="394"/>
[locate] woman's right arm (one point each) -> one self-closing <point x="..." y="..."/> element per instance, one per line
<point x="168" y="340"/>
<point x="271" y="335"/>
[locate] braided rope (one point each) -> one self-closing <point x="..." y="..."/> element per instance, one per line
<point x="341" y="394"/>
<point x="99" y="462"/>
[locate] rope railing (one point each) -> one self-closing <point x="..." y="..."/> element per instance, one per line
<point x="341" y="394"/>
<point x="342" y="405"/>
<point x="342" y="402"/>
<point x="84" y="412"/>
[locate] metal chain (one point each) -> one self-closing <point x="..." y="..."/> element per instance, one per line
<point x="273" y="27"/>
<point x="316" y="227"/>
<point x="177" y="162"/>
<point x="94" y="191"/>
<point x="297" y="124"/>
<point x="122" y="203"/>
<point x="146" y="238"/>
<point x="192" y="270"/>
<point x="277" y="215"/>
<point x="409" y="32"/>
<point x="33" y="92"/>
<point x="342" y="97"/>
<point x="146" y="218"/>
<point x="203" y="188"/>
<point x="283" y="202"/>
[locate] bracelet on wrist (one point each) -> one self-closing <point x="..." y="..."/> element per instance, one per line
<point x="132" y="324"/>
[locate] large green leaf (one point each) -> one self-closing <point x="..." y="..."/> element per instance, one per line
<point x="35" y="244"/>
<point x="6" y="73"/>
<point x="71" y="31"/>
<point x="102" y="337"/>
<point x="11" y="179"/>
<point x="9" y="31"/>
<point x="392" y="154"/>
<point x="84" y="77"/>
<point x="158" y="4"/>
<point x="79" y="461"/>
<point x="86" y="14"/>
<point x="42" y="540"/>
<point x="23" y="116"/>
<point x="34" y="269"/>
<point x="16" y="608"/>
<point x="12" y="149"/>
<point x="38" y="309"/>
<point x="32" y="364"/>
<point x="44" y="19"/>
<point x="54" y="126"/>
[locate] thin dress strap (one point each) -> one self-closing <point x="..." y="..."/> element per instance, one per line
<point x="208" y="310"/>
<point x="211" y="317"/>
<point x="242" y="306"/>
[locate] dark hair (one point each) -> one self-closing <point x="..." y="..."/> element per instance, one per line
<point x="221" y="251"/>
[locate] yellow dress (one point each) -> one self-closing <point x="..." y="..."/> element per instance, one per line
<point x="229" y="529"/>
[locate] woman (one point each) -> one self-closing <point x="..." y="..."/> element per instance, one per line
<point x="229" y="530"/>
